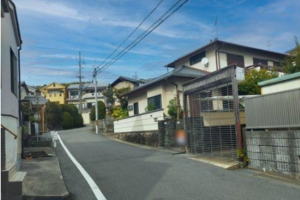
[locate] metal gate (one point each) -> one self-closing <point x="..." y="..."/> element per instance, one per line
<point x="212" y="113"/>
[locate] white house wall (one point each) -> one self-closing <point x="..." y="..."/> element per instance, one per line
<point x="210" y="55"/>
<point x="247" y="54"/>
<point x="8" y="41"/>
<point x="282" y="86"/>
<point x="141" y="98"/>
<point x="140" y="123"/>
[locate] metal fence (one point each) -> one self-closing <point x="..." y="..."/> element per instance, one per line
<point x="278" y="110"/>
<point x="212" y="113"/>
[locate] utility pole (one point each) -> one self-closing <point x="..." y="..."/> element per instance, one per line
<point x="80" y="84"/>
<point x="96" y="104"/>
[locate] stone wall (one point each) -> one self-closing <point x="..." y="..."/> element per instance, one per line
<point x="145" y="138"/>
<point x="275" y="151"/>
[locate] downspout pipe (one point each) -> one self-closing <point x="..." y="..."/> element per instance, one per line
<point x="217" y="56"/>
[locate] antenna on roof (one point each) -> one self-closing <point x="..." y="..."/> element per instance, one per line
<point x="216" y="27"/>
<point x="269" y="45"/>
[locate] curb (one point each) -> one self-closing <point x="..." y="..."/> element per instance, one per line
<point x="141" y="145"/>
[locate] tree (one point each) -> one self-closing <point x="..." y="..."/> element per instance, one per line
<point x="67" y="121"/>
<point x="73" y="111"/>
<point x="53" y="115"/>
<point x="250" y="85"/>
<point x="123" y="100"/>
<point x="119" y="113"/>
<point x="110" y="99"/>
<point x="292" y="62"/>
<point x="173" y="109"/>
<point x="101" y="111"/>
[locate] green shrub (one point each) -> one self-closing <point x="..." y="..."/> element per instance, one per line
<point x="67" y="121"/>
<point x="101" y="111"/>
<point x="78" y="121"/>
<point x="119" y="113"/>
<point x="173" y="109"/>
<point x="53" y="115"/>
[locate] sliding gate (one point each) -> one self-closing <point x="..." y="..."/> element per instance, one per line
<point x="212" y="113"/>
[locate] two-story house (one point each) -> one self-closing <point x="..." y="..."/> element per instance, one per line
<point x="11" y="44"/>
<point x="55" y="93"/>
<point x="209" y="58"/>
<point x="218" y="54"/>
<point x="88" y="97"/>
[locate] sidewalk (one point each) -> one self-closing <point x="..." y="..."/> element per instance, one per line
<point x="44" y="178"/>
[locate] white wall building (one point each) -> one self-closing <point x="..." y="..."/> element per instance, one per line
<point x="221" y="54"/>
<point x="283" y="83"/>
<point x="10" y="93"/>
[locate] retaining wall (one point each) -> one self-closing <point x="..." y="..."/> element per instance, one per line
<point x="277" y="151"/>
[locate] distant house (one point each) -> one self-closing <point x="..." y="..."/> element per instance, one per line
<point x="124" y="82"/>
<point x="33" y="91"/>
<point x="283" y="83"/>
<point x="157" y="93"/>
<point x="55" y="93"/>
<point x="219" y="54"/>
<point x="24" y="90"/>
<point x="11" y="136"/>
<point x="88" y="97"/>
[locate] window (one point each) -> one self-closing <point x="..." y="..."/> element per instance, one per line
<point x="155" y="102"/>
<point x="89" y="105"/>
<point x="13" y="73"/>
<point x="136" y="108"/>
<point x="276" y="64"/>
<point x="197" y="58"/>
<point x="74" y="93"/>
<point x="235" y="59"/>
<point x="257" y="61"/>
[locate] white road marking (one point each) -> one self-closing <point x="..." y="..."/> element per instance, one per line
<point x="91" y="182"/>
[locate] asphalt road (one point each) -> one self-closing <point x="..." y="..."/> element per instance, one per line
<point x="124" y="172"/>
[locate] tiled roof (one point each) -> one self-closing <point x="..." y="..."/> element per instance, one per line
<point x="182" y="71"/>
<point x="135" y="81"/>
<point x="86" y="86"/>
<point x="36" y="100"/>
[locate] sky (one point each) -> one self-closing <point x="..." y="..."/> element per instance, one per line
<point x="54" y="31"/>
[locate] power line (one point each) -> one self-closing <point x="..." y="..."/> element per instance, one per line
<point x="163" y="18"/>
<point x="141" y="35"/>
<point x="131" y="33"/>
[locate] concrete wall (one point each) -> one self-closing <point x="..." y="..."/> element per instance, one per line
<point x="282" y="86"/>
<point x="139" y="123"/>
<point x="86" y="118"/>
<point x="277" y="151"/>
<point x="11" y="144"/>
<point x="9" y="102"/>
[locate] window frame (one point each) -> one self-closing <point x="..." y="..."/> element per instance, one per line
<point x="197" y="58"/>
<point x="136" y="108"/>
<point x="233" y="54"/>
<point x="260" y="60"/>
<point x="160" y="101"/>
<point x="13" y="73"/>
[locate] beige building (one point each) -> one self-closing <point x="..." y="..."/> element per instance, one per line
<point x="55" y="93"/>
<point x="157" y="93"/>
<point x="88" y="98"/>
<point x="11" y="136"/>
<point x="219" y="54"/>
<point x="283" y="83"/>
